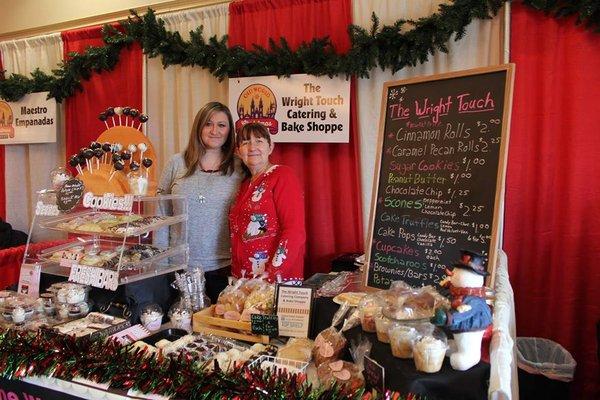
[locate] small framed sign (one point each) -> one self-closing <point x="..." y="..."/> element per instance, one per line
<point x="374" y="375"/>
<point x="29" y="279"/>
<point x="69" y="195"/>
<point x="264" y="324"/>
<point x="294" y="309"/>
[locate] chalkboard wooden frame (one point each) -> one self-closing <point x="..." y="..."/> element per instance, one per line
<point x="501" y="167"/>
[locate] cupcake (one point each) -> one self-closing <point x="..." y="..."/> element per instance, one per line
<point x="152" y="317"/>
<point x="402" y="338"/>
<point x="428" y="353"/>
<point x="382" y="325"/>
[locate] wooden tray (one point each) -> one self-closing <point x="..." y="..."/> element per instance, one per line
<point x="204" y="322"/>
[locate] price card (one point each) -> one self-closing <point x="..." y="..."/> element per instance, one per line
<point x="374" y="375"/>
<point x="265" y="324"/>
<point x="294" y="308"/>
<point x="29" y="279"/>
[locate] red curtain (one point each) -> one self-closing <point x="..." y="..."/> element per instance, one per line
<point x="119" y="87"/>
<point x="552" y="222"/>
<point x="329" y="172"/>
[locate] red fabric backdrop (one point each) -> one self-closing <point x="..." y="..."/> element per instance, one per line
<point x="552" y="222"/>
<point x="119" y="87"/>
<point x="329" y="172"/>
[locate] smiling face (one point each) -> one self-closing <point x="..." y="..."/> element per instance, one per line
<point x="254" y="147"/>
<point x="214" y="133"/>
<point x="255" y="152"/>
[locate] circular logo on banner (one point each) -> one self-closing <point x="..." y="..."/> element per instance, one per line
<point x="69" y="195"/>
<point x="6" y="121"/>
<point x="257" y="103"/>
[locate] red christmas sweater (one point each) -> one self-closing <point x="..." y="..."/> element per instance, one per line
<point x="267" y="227"/>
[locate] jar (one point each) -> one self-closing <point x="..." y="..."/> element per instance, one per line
<point x="138" y="183"/>
<point x="430" y="349"/>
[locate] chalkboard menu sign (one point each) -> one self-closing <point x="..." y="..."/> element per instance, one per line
<point x="264" y="324"/>
<point x="440" y="174"/>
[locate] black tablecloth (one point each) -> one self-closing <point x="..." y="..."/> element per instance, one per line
<point x="401" y="375"/>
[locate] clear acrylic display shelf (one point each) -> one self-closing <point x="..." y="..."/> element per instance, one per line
<point x="107" y="248"/>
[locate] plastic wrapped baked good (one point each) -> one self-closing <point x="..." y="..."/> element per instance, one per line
<point x="429" y="351"/>
<point x="299" y="349"/>
<point x="369" y="308"/>
<point x="402" y="302"/>
<point x="261" y="299"/>
<point x="328" y="346"/>
<point x="382" y="325"/>
<point x="343" y="373"/>
<point x="230" y="302"/>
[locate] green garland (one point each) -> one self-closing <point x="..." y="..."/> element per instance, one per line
<point x="384" y="46"/>
<point x="48" y="353"/>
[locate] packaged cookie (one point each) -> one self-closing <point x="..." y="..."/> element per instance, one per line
<point x="328" y="345"/>
<point x="344" y="373"/>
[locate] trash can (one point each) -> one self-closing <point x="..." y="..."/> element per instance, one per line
<point x="545" y="369"/>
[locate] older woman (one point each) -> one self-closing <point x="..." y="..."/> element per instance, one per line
<point x="267" y="218"/>
<point x="209" y="176"/>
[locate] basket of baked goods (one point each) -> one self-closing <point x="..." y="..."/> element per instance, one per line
<point x="231" y="316"/>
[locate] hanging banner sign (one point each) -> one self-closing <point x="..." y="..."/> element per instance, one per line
<point x="30" y="120"/>
<point x="300" y="108"/>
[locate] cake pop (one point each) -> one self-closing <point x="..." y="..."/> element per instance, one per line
<point x="117" y="166"/>
<point x="110" y="112"/>
<point x="147" y="162"/>
<point x="119" y="112"/>
<point x="134" y="113"/>
<point x="143" y="118"/>
<point x="88" y="154"/>
<point x="142" y="147"/>
<point x="98" y="153"/>
<point x="107" y="148"/>
<point x="102" y="117"/>
<point x="126" y="113"/>
<point x="74" y="162"/>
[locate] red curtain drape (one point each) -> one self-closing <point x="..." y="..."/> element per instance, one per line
<point x="329" y="172"/>
<point x="2" y="167"/>
<point x="552" y="222"/>
<point x="119" y="87"/>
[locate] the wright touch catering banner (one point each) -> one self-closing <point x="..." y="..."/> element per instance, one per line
<point x="301" y="108"/>
<point x="30" y="120"/>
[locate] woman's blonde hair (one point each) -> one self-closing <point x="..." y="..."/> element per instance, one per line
<point x="196" y="149"/>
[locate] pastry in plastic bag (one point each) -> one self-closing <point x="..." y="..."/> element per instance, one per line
<point x="328" y="346"/>
<point x="231" y="300"/>
<point x="369" y="309"/>
<point x="343" y="373"/>
<point x="299" y="349"/>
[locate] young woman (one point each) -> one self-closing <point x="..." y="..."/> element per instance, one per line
<point x="208" y="176"/>
<point x="267" y="219"/>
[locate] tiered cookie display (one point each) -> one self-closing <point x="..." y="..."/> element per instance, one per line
<point x="120" y="160"/>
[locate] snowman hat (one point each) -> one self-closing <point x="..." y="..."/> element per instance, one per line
<point x="473" y="261"/>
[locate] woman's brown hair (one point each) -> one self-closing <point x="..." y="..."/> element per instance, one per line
<point x="196" y="149"/>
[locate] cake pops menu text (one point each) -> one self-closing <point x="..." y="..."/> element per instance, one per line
<point x="439" y="174"/>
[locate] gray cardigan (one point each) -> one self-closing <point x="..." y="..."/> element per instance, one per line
<point x="210" y="196"/>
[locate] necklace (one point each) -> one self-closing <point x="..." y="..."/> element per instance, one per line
<point x="205" y="191"/>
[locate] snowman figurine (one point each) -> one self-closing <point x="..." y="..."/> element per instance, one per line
<point x="469" y="315"/>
